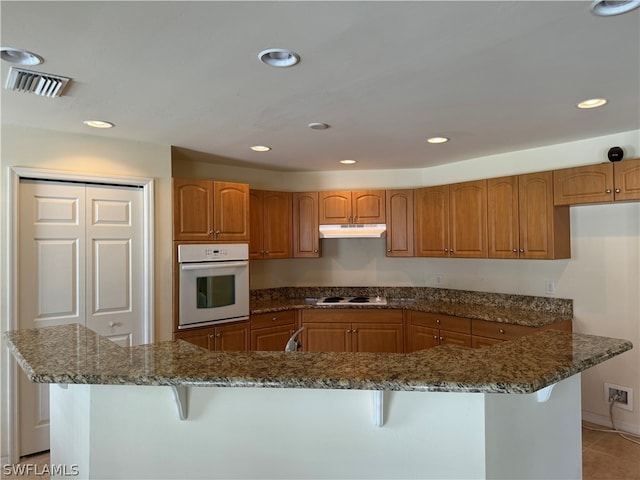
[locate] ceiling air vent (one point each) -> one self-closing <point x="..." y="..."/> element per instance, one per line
<point x="42" y="84"/>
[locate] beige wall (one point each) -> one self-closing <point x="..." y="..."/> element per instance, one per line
<point x="602" y="277"/>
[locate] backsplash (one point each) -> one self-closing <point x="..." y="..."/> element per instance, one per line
<point x="561" y="306"/>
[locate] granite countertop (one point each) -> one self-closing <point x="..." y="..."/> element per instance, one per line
<point x="494" y="313"/>
<point x="75" y="354"/>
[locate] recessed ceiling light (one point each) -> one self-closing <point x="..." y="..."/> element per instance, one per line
<point x="606" y="8"/>
<point x="98" y="124"/>
<point x="20" y="57"/>
<point x="437" y="140"/>
<point x="347" y="162"/>
<point x="318" y="126"/>
<point x="260" y="148"/>
<point x="592" y="103"/>
<point x="279" y="57"/>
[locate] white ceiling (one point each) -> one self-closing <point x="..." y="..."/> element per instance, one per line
<point x="493" y="76"/>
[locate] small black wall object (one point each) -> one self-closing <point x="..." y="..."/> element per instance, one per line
<point x="615" y="154"/>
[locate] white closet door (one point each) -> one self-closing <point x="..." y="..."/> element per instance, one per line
<point x="114" y="268"/>
<point x="80" y="261"/>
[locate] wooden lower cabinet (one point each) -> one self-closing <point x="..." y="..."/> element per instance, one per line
<point x="271" y="331"/>
<point x="487" y="333"/>
<point x="223" y="338"/>
<point x="361" y="330"/>
<point x="426" y="330"/>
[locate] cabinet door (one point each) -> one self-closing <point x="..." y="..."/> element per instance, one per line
<point x="544" y="229"/>
<point x="202" y="338"/>
<point x="272" y="339"/>
<point x="335" y="207"/>
<point x="627" y="179"/>
<point x="480" y="342"/>
<point x="588" y="184"/>
<point x="399" y="206"/>
<point x="233" y="337"/>
<point x="256" y="214"/>
<point x="192" y="209"/>
<point x="276" y="225"/>
<point x="468" y="219"/>
<point x="368" y="206"/>
<point x="231" y="212"/>
<point x="502" y="217"/>
<point x="326" y="337"/>
<point x="377" y="337"/>
<point x="419" y="337"/>
<point x="431" y="210"/>
<point x="306" y="238"/>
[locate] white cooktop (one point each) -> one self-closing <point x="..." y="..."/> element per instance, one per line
<point x="352" y="301"/>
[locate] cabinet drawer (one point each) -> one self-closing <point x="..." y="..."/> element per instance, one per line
<point x="443" y="322"/>
<point x="264" y="320"/>
<point x="500" y="331"/>
<point x="368" y="315"/>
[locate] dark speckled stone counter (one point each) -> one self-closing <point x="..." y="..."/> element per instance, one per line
<point x="74" y="354"/>
<point x="514" y="309"/>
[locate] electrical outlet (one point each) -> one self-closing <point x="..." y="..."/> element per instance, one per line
<point x="439" y="278"/>
<point x="621" y="396"/>
<point x="550" y="287"/>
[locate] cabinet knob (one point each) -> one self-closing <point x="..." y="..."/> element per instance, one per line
<point x="211" y="335"/>
<point x="266" y="252"/>
<point x="217" y="334"/>
<point x="521" y="250"/>
<point x="210" y="232"/>
<point x="442" y="339"/>
<point x="435" y="337"/>
<point x="315" y="251"/>
<point x="515" y="250"/>
<point x="274" y="319"/>
<point x="608" y="190"/>
<point x="355" y="219"/>
<point x="617" y="190"/>
<point x="446" y="249"/>
<point x="501" y="330"/>
<point x="437" y="320"/>
<point x="388" y="250"/>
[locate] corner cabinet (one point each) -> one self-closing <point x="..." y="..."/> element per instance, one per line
<point x="361" y="207"/>
<point x="601" y="183"/>
<point x="451" y="220"/>
<point x="270" y="214"/>
<point x="206" y="210"/>
<point x="224" y="338"/>
<point x="523" y="221"/>
<point x="399" y="212"/>
<point x="306" y="235"/>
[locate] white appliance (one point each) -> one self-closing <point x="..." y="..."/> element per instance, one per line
<point x="352" y="301"/>
<point x="214" y="284"/>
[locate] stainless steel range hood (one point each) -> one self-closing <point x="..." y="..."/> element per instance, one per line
<point x="371" y="230"/>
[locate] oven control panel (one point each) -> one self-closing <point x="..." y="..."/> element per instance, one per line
<point x="212" y="252"/>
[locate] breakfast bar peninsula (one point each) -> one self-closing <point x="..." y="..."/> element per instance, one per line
<point x="174" y="410"/>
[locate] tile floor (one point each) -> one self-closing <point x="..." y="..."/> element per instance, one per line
<point x="605" y="456"/>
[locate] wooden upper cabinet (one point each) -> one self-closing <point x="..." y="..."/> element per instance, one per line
<point x="192" y="209"/>
<point x="271" y="220"/>
<point x="306" y="236"/>
<point x="231" y="211"/>
<point x="431" y="225"/>
<point x="362" y="206"/>
<point x="451" y="220"/>
<point x="399" y="206"/>
<point x="626" y="174"/>
<point x="468" y="219"/>
<point x="502" y="217"/>
<point x="205" y="210"/>
<point x="600" y="183"/>
<point x="544" y="228"/>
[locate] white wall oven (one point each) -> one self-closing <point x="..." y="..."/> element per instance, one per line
<point x="214" y="284"/>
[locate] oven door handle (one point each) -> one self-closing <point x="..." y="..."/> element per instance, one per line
<point x="205" y="265"/>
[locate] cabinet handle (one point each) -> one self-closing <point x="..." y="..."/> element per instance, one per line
<point x="617" y="190"/>
<point x="274" y="319"/>
<point x="266" y="252"/>
<point x="210" y="232"/>
<point x="515" y="250"/>
<point x="217" y="334"/>
<point x="446" y="249"/>
<point x="388" y="250"/>
<point x="501" y="330"/>
<point x="315" y="251"/>
<point x="521" y="250"/>
<point x="608" y="190"/>
<point x="437" y="320"/>
<point x="435" y="337"/>
<point x="211" y="335"/>
<point x="442" y="339"/>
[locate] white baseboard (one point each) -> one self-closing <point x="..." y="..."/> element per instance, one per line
<point x="606" y="422"/>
